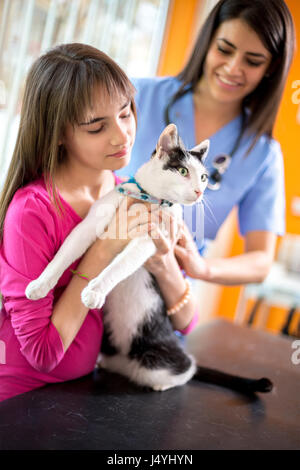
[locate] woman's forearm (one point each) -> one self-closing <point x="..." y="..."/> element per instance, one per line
<point x="250" y="267"/>
<point x="173" y="287"/>
<point x="69" y="312"/>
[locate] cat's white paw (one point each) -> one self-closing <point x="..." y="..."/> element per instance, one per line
<point x="101" y="362"/>
<point x="92" y="298"/>
<point x="37" y="290"/>
<point x="94" y="284"/>
<point x="162" y="387"/>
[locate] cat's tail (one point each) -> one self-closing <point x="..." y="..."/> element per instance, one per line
<point x="234" y="382"/>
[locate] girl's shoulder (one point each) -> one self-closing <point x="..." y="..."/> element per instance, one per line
<point x="29" y="217"/>
<point x="32" y="195"/>
<point x="32" y="215"/>
<point x="32" y="204"/>
<point x="32" y="199"/>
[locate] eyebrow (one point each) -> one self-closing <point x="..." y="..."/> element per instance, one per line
<point x="255" y="54"/>
<point x="97" y="119"/>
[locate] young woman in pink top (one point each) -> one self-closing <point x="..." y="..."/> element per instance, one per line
<point x="77" y="126"/>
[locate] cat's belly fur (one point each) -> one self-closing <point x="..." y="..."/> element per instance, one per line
<point x="129" y="304"/>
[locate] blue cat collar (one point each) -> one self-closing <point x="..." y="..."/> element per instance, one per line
<point x="142" y="195"/>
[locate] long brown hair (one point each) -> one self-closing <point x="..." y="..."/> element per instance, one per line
<point x="58" y="90"/>
<point x="272" y="22"/>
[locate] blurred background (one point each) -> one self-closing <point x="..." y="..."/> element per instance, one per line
<point x="148" y="38"/>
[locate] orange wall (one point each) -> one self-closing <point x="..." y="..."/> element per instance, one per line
<point x="287" y="132"/>
<point x="178" y="36"/>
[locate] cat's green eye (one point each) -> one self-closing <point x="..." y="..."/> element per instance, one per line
<point x="204" y="177"/>
<point x="183" y="171"/>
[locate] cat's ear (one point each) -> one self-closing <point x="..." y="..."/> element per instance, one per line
<point x="201" y="150"/>
<point x="167" y="141"/>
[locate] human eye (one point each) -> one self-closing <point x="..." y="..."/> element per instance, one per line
<point x="125" y="116"/>
<point x="253" y="63"/>
<point x="126" y="113"/>
<point x="223" y="51"/>
<point x="204" y="177"/>
<point x="97" y="131"/>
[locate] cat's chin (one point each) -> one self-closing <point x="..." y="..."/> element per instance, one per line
<point x="185" y="202"/>
<point x="191" y="202"/>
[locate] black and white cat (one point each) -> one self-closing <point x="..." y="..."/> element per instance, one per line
<point x="139" y="341"/>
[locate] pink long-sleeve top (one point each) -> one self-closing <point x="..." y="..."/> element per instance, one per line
<point x="31" y="350"/>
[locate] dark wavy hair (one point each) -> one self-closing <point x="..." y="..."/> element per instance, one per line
<point x="59" y="88"/>
<point x="273" y="23"/>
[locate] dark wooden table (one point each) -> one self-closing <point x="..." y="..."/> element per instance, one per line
<point x="105" y="411"/>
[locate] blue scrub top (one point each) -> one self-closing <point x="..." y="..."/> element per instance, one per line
<point x="255" y="184"/>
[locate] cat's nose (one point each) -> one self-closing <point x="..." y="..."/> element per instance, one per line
<point x="198" y="192"/>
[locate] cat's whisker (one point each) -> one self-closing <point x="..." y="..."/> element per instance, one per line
<point x="206" y="204"/>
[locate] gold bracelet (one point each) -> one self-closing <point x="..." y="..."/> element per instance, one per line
<point x="184" y="300"/>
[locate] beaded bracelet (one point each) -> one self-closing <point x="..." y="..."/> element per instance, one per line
<point x="78" y="273"/>
<point x="184" y="300"/>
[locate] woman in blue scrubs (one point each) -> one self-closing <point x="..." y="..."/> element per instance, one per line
<point x="229" y="92"/>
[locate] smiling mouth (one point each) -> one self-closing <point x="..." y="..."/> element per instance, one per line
<point x="230" y="83"/>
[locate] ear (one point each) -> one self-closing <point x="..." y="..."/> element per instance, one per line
<point x="168" y="139"/>
<point x="201" y="150"/>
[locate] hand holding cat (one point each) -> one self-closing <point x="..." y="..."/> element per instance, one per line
<point x="131" y="220"/>
<point x="188" y="257"/>
<point x="164" y="239"/>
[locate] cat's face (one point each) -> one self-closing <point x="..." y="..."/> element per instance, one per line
<point x="177" y="174"/>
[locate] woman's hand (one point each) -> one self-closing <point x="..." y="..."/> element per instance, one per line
<point x="164" y="266"/>
<point x="164" y="240"/>
<point x="188" y="257"/>
<point x="131" y="220"/>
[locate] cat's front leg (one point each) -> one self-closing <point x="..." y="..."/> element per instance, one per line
<point x="75" y="245"/>
<point x="126" y="263"/>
